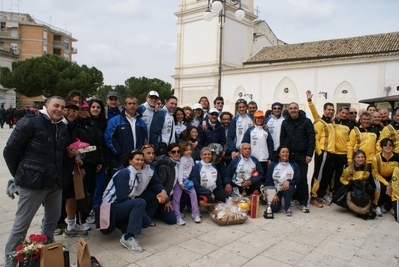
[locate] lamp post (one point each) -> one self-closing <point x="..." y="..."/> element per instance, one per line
<point x="221" y="7"/>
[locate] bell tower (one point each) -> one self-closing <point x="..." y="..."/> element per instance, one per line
<point x="205" y="46"/>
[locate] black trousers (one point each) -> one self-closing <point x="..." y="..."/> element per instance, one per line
<point x="302" y="189"/>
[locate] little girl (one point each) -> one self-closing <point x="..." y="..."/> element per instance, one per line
<point x="184" y="170"/>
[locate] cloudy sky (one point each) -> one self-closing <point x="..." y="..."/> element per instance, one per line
<point x="125" y="38"/>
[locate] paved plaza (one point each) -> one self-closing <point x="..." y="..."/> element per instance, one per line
<point x="330" y="236"/>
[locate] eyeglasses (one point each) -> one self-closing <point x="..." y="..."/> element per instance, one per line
<point x="220" y="103"/>
<point x="278" y="108"/>
<point x="175" y="151"/>
<point x="70" y="110"/>
<point x="353" y="113"/>
<point x="146" y="146"/>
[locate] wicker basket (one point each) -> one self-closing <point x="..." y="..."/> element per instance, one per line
<point x="224" y="214"/>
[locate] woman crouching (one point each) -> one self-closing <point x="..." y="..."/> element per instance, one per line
<point x="357" y="193"/>
<point x="127" y="212"/>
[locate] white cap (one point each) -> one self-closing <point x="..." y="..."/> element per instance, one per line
<point x="153" y="93"/>
<point x="213" y="110"/>
<point x="197" y="106"/>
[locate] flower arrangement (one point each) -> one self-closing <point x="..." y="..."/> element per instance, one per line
<point x="30" y="249"/>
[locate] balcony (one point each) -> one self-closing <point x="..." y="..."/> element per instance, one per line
<point x="74" y="50"/>
<point x="59" y="44"/>
<point x="9" y="35"/>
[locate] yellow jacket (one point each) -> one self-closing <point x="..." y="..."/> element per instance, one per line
<point x="364" y="139"/>
<point x="341" y="138"/>
<point x="348" y="177"/>
<point x="382" y="168"/>
<point x="392" y="133"/>
<point x="395" y="184"/>
<point x="325" y="136"/>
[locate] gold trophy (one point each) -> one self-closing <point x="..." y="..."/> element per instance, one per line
<point x="269" y="192"/>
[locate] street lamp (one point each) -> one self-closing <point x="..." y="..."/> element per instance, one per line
<point x="221" y="7"/>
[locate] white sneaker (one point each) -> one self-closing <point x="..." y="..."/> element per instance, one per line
<point x="378" y="211"/>
<point x="383" y="210"/>
<point x="180" y="222"/>
<point x="90" y="220"/>
<point x="85" y="226"/>
<point x="131" y="244"/>
<point x="197" y="218"/>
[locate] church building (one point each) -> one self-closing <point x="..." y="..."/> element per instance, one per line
<point x="256" y="65"/>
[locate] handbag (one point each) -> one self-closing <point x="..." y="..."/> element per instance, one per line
<point x="105" y="214"/>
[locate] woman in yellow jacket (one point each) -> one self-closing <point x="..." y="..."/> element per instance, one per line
<point x="356" y="193"/>
<point x="383" y="165"/>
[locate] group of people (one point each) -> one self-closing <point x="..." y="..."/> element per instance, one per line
<point x="355" y="160"/>
<point x="11" y="115"/>
<point x="153" y="161"/>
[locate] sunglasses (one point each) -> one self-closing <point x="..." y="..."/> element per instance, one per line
<point x="70" y="110"/>
<point x="239" y="101"/>
<point x="175" y="151"/>
<point x="220" y="103"/>
<point x="277" y="108"/>
<point x="146" y="146"/>
<point x="343" y="107"/>
<point x="389" y="144"/>
<point x="214" y="114"/>
<point x="353" y="113"/>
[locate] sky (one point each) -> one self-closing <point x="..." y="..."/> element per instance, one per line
<point x="125" y="38"/>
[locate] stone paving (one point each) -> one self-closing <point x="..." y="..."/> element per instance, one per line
<point x="330" y="236"/>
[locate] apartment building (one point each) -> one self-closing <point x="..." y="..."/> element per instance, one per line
<point x="24" y="37"/>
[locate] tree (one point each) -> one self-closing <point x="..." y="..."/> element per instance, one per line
<point x="140" y="87"/>
<point x="137" y="87"/>
<point x="50" y="75"/>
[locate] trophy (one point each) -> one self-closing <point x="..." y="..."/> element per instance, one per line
<point x="269" y="192"/>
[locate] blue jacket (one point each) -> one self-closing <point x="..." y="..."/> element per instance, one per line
<point x="231" y="169"/>
<point x="195" y="177"/>
<point x="213" y="135"/>
<point x="118" y="137"/>
<point x="157" y="125"/>
<point x="232" y="133"/>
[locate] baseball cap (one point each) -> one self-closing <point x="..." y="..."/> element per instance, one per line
<point x="197" y="106"/>
<point x="112" y="93"/>
<point x="259" y="113"/>
<point x="84" y="105"/>
<point x="213" y="110"/>
<point x="153" y="93"/>
<point x="71" y="105"/>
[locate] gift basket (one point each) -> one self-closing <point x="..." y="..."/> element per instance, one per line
<point x="228" y="213"/>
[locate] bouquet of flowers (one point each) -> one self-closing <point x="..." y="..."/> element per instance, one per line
<point x="30" y="249"/>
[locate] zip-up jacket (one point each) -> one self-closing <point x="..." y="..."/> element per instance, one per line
<point x="119" y="137"/>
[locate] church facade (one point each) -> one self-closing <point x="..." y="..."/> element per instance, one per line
<point x="257" y="66"/>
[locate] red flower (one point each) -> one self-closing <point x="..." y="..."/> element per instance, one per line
<point x="37" y="238"/>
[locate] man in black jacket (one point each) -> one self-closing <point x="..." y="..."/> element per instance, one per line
<point x="298" y="134"/>
<point x="40" y="139"/>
